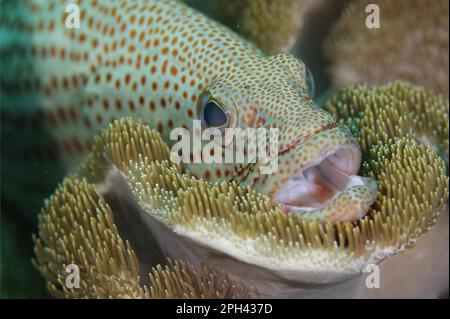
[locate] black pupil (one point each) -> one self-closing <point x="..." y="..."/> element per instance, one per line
<point x="213" y="115"/>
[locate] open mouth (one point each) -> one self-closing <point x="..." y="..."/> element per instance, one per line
<point x="322" y="181"/>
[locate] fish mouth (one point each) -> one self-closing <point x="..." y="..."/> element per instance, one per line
<point x="323" y="180"/>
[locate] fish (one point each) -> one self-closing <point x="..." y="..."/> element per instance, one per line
<point x="168" y="65"/>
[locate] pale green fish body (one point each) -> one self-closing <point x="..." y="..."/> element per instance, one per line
<point x="155" y="61"/>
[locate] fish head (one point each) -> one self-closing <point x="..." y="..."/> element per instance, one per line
<point x="298" y="154"/>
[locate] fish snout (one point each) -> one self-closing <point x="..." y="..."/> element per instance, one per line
<point x="326" y="184"/>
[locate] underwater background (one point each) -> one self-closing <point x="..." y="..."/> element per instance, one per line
<point x="308" y="29"/>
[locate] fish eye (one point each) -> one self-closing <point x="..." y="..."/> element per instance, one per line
<point x="214" y="116"/>
<point x="310" y="86"/>
<point x="212" y="113"/>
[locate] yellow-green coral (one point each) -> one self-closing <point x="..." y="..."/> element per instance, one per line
<point x="399" y="109"/>
<point x="273" y="25"/>
<point x="411" y="44"/>
<point x="76" y="224"/>
<point x="228" y="212"/>
<point x="181" y="199"/>
<point x="76" y="227"/>
<point x="412" y="188"/>
<point x="122" y="143"/>
<point x="398" y="127"/>
<point x="183" y="280"/>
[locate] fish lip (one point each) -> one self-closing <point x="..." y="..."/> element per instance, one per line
<point x="303" y="139"/>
